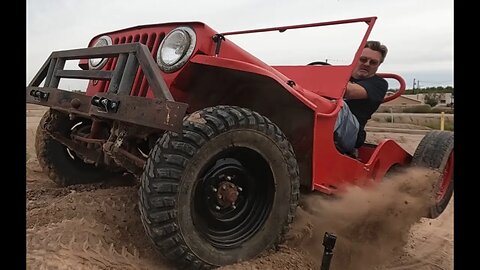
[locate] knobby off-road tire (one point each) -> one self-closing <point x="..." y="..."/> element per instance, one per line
<point x="221" y="151"/>
<point x="436" y="151"/>
<point x="56" y="159"/>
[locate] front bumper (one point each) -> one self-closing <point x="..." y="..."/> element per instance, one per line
<point x="161" y="112"/>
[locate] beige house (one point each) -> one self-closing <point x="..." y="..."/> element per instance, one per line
<point x="403" y="100"/>
<point x="443" y="98"/>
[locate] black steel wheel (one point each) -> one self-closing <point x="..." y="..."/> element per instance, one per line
<point x="435" y="151"/>
<point x="221" y="192"/>
<point x="61" y="164"/>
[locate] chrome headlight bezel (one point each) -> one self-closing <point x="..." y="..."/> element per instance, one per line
<point x="101" y="41"/>
<point x="183" y="56"/>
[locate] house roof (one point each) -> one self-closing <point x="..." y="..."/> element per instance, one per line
<point x="405" y="98"/>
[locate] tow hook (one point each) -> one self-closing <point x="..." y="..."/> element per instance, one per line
<point x="104" y="104"/>
<point x="39" y="95"/>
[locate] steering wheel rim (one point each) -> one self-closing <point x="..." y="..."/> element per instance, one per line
<point x="319" y="63"/>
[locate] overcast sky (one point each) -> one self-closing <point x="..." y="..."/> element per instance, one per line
<point x="418" y="33"/>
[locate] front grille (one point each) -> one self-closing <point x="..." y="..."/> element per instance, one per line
<point x="152" y="40"/>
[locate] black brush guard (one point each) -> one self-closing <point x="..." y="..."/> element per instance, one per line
<point x="161" y="112"/>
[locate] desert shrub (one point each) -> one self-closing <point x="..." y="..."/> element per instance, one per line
<point x="383" y="109"/>
<point x="441" y="109"/>
<point x="389" y="109"/>
<point x="424" y="108"/>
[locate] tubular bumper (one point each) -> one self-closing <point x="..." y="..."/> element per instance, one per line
<point x="162" y="112"/>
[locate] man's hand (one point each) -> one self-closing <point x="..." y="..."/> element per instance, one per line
<point x="355" y="91"/>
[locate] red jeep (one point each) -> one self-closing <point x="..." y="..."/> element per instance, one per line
<point x="220" y="141"/>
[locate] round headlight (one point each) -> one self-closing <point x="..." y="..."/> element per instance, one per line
<point x="98" y="63"/>
<point x="176" y="48"/>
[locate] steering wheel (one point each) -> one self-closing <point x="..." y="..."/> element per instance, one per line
<point x="319" y="63"/>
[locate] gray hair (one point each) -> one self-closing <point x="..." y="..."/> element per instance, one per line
<point x="377" y="46"/>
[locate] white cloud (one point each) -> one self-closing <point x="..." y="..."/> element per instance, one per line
<point x="419" y="34"/>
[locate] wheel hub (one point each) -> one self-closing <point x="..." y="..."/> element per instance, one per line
<point x="231" y="203"/>
<point x="227" y="194"/>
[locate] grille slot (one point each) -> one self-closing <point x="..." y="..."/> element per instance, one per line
<point x="140" y="84"/>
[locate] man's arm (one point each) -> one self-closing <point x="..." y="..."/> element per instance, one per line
<point x="355" y="91"/>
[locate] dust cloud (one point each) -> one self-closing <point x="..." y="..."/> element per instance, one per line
<point x="372" y="225"/>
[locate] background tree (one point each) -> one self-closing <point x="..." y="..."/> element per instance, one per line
<point x="432" y="99"/>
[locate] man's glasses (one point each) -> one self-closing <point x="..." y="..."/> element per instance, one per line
<point x="373" y="62"/>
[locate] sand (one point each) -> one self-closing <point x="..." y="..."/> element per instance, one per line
<point x="98" y="226"/>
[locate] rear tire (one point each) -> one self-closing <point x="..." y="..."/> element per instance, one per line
<point x="186" y="200"/>
<point x="435" y="151"/>
<point x="60" y="163"/>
